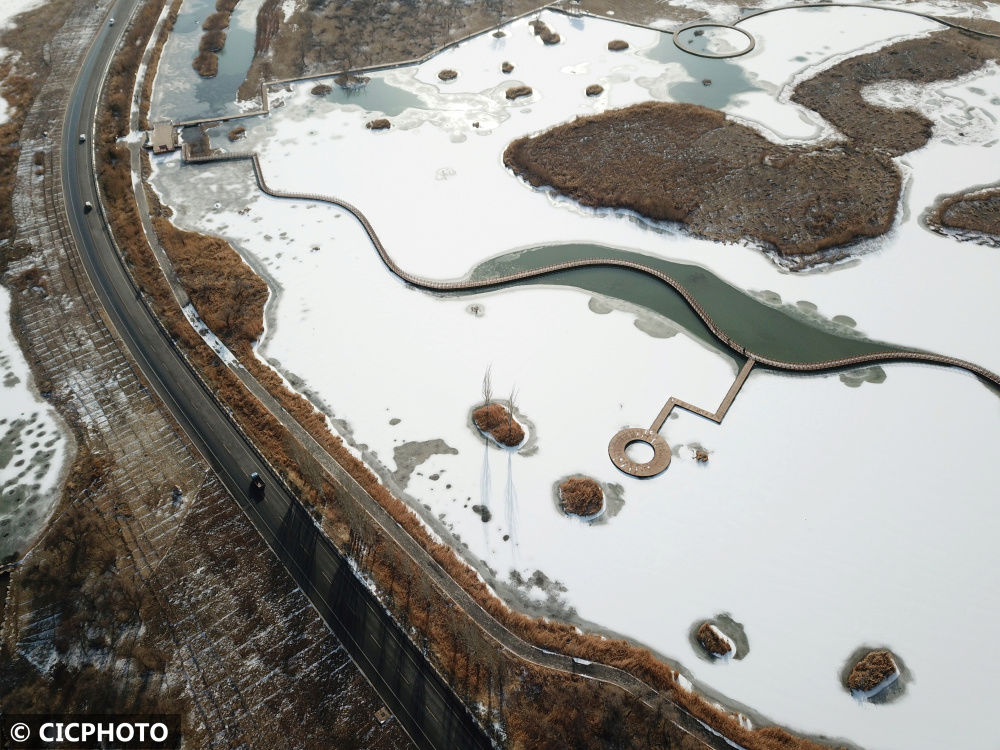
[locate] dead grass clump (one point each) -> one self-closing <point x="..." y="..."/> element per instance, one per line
<point x="725" y="181"/>
<point x="207" y="64"/>
<point x="379" y="124"/>
<point x="544" y="32"/>
<point x="874" y="668"/>
<point x="581" y="496"/>
<point x="506" y="67"/>
<point x="710" y="639"/>
<point x="617" y="45"/>
<point x="320" y="89"/>
<point x="38" y="158"/>
<point x="448" y="74"/>
<point x="496" y="420"/>
<point x="595" y="89"/>
<point x="237" y="133"/>
<point x="515" y="92"/>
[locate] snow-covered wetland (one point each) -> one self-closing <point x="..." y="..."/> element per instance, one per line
<point x="33" y="448"/>
<point x="834" y="511"/>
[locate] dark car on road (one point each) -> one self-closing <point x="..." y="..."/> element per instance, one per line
<point x="256" y="488"/>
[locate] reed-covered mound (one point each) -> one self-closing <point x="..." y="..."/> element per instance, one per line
<point x="725" y="181"/>
<point x="496" y="420"/>
<point x="581" y="496"/>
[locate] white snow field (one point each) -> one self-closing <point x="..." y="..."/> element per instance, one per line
<point x="826" y="518"/>
<point x="33" y="450"/>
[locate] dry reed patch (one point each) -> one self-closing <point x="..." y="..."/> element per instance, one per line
<point x="595" y="89"/>
<point x="515" y="92"/>
<point x="581" y="496"/>
<point x="710" y="639"/>
<point x="448" y="74"/>
<point x="506" y="67"/>
<point x="547" y="35"/>
<point x="725" y="181"/>
<point x="977" y="212"/>
<point x="874" y="668"/>
<point x="320" y="89"/>
<point x="212" y="41"/>
<point x="379" y="124"/>
<point x="496" y="420"/>
<point x="237" y="133"/>
<point x="617" y="45"/>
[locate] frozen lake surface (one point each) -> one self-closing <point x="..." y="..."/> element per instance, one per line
<point x="834" y="510"/>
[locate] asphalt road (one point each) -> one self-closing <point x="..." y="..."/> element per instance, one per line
<point x="425" y="706"/>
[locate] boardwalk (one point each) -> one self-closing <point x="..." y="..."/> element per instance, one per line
<point x="494" y="281"/>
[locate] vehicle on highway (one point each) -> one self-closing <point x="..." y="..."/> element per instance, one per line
<point x="111" y="22"/>
<point x="83" y="137"/>
<point x="256" y="489"/>
<point x="88" y="207"/>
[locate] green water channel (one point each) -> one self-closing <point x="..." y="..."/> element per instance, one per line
<point x="765" y="330"/>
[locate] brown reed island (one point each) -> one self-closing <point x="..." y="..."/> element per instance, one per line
<point x="506" y="67"/>
<point x="516" y="92"/>
<point x="595" y="89"/>
<point x="320" y="89"/>
<point x="724" y="180"/>
<point x="713" y="641"/>
<point x="875" y="668"/>
<point x="448" y="74"/>
<point x="379" y="124"/>
<point x="581" y="496"/>
<point x="617" y="45"/>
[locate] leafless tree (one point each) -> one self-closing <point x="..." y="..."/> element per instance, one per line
<point x="511" y="404"/>
<point x="488" y="385"/>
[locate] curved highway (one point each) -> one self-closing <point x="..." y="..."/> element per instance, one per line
<point x="425" y="706"/>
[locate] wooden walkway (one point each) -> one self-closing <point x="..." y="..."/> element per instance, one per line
<point x="494" y="281"/>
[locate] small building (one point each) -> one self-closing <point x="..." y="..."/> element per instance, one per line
<point x="162" y="138"/>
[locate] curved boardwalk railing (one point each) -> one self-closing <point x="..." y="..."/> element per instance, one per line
<point x="469" y="285"/>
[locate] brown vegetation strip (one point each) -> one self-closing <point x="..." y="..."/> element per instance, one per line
<point x="206" y="62"/>
<point x="581" y="496"/>
<point x="516" y="92"/>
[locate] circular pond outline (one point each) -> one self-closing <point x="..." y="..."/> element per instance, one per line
<point x="713" y="25"/>
<point x="624" y="438"/>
